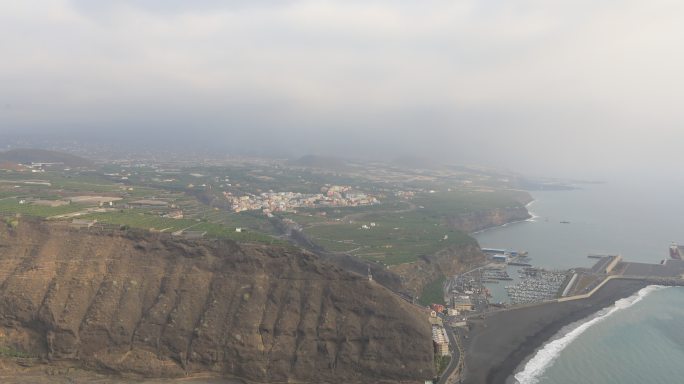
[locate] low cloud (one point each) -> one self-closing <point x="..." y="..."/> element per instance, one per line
<point x="531" y="85"/>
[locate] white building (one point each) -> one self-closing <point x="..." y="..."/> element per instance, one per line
<point x="440" y="340"/>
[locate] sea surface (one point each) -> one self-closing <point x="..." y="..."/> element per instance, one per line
<point x="641" y="338"/>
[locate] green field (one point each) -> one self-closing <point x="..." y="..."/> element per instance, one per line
<point x="198" y="217"/>
<point x="143" y="220"/>
<point x="11" y="205"/>
<point x="304" y="219"/>
<point x="140" y="219"/>
<point x="396" y="238"/>
<point x="397" y="234"/>
<point x="332" y="213"/>
<point x="442" y="204"/>
<point x="402" y="232"/>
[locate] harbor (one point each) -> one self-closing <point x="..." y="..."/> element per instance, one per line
<point x="505" y="269"/>
<point x="535" y="302"/>
<point x="509" y="278"/>
<point x="504" y="340"/>
<point x="536" y="285"/>
<point x="507" y="297"/>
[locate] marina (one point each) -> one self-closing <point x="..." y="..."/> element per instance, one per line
<point x="641" y="234"/>
<point x="536" y="285"/>
<point x="523" y="283"/>
<point x="489" y="274"/>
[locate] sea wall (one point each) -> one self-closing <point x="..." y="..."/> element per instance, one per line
<point x="503" y="340"/>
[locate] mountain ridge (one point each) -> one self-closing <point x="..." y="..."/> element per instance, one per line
<point x="137" y="303"/>
<point x="32" y="155"/>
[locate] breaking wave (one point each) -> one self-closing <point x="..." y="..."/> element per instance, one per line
<point x="544" y="357"/>
<point x="533" y="216"/>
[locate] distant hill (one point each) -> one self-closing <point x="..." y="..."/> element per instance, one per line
<point x="415" y="162"/>
<point x="28" y="156"/>
<point x="6" y="165"/>
<point x="544" y="185"/>
<point x="325" y="162"/>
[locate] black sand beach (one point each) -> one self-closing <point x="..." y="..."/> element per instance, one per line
<point x="500" y="343"/>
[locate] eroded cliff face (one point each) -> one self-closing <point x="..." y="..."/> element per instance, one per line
<point x="447" y="262"/>
<point x="479" y="220"/>
<point x="450" y="261"/>
<point x="157" y="306"/>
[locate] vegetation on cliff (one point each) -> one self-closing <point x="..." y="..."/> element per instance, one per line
<point x="433" y="292"/>
<point x="424" y="240"/>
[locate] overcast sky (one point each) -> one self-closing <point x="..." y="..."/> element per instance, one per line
<point x="567" y="87"/>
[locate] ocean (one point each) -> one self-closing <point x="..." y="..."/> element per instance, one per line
<point x="641" y="338"/>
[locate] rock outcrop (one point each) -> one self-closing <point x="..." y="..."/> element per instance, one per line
<point x="479" y="220"/>
<point x="155" y="306"/>
<point x="456" y="259"/>
<point x="447" y="262"/>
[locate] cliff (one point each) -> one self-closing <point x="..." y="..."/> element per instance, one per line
<point x="447" y="262"/>
<point x="478" y="220"/>
<point x="155" y="306"/>
<point x="453" y="260"/>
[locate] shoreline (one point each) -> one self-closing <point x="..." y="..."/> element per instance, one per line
<point x="500" y="345"/>
<point x="530" y="218"/>
<point x="533" y="216"/>
<point x="500" y="226"/>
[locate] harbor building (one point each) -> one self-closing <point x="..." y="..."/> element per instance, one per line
<point x="462" y="303"/>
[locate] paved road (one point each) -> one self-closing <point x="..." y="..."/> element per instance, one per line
<point x="450" y="280"/>
<point x="455" y="356"/>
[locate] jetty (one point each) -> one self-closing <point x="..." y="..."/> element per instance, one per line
<point x="542" y="304"/>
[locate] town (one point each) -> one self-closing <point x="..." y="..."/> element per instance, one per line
<point x="330" y="196"/>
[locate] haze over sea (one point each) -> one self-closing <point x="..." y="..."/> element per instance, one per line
<point x="640" y="339"/>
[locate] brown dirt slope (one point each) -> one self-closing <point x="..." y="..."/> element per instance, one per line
<point x="152" y="305"/>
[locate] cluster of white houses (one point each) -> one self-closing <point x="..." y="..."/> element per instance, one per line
<point x="332" y="196"/>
